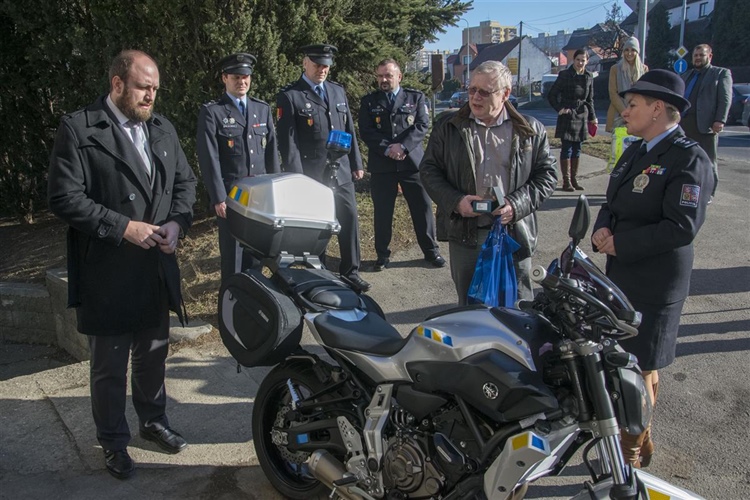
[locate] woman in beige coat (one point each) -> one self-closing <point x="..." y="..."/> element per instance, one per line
<point x="622" y="76"/>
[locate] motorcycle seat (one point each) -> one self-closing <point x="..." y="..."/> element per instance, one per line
<point x="371" y="334"/>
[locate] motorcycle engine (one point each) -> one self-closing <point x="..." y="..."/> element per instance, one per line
<point x="407" y="468"/>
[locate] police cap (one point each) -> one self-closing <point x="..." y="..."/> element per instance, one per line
<point x="661" y="84"/>
<point x="320" y="53"/>
<point x="238" y="64"/>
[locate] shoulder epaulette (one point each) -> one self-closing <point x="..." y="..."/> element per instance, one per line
<point x="683" y="142"/>
<point x="287" y="87"/>
<point x="209" y="103"/>
<point x="255" y="99"/>
<point x="408" y="89"/>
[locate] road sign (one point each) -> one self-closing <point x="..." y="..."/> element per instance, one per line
<point x="680" y="66"/>
<point x="512" y="63"/>
<point x="681" y="52"/>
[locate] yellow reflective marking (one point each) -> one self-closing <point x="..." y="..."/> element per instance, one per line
<point x="244" y="197"/>
<point x="520" y="441"/>
<point x="657" y="495"/>
<point x="233" y="192"/>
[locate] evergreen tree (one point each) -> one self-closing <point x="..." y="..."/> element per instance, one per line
<point x="731" y="43"/>
<point x="659" y="41"/>
<point x="55" y="56"/>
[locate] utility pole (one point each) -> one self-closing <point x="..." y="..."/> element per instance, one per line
<point x="467" y="57"/>
<point x="642" y="21"/>
<point x="518" y="69"/>
<point x="682" y="24"/>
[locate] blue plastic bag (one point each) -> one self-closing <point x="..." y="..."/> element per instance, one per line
<point x="494" y="282"/>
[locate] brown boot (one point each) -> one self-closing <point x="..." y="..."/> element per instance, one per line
<point x="574" y="174"/>
<point x="631" y="447"/>
<point x="647" y="448"/>
<point x="565" y="169"/>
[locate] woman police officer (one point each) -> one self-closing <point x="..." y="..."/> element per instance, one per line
<point x="656" y="203"/>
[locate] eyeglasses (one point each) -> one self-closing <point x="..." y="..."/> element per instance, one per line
<point x="482" y="92"/>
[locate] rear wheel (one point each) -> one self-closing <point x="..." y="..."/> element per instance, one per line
<point x="288" y="471"/>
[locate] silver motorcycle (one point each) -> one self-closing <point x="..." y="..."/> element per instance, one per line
<point x="475" y="403"/>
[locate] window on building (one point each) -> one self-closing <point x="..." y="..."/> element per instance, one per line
<point x="703" y="9"/>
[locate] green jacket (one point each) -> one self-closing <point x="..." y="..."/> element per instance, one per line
<point x="448" y="174"/>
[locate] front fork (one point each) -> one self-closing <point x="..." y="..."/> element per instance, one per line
<point x="604" y="425"/>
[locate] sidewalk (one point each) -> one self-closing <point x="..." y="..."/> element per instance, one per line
<point x="48" y="447"/>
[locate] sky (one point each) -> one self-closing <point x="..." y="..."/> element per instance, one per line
<point x="537" y="16"/>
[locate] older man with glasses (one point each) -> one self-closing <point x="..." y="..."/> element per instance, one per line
<point x="488" y="151"/>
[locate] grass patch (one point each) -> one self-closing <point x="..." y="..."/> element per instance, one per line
<point x="598" y="146"/>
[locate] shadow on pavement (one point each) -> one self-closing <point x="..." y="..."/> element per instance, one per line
<point x="717" y="281"/>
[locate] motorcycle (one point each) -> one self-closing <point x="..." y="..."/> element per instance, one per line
<point x="475" y="403"/>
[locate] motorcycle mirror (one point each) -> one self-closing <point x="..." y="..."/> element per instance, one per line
<point x="580" y="222"/>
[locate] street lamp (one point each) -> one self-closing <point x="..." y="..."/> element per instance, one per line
<point x="467" y="57"/>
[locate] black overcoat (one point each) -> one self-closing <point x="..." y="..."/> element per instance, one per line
<point x="97" y="184"/>
<point x="575" y="92"/>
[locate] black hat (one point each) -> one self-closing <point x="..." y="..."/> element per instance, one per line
<point x="661" y="84"/>
<point x="320" y="53"/>
<point x="238" y="64"/>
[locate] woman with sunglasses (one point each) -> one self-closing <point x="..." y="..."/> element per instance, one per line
<point x="572" y="96"/>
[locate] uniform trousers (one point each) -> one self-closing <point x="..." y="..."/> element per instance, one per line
<point x="384" y="189"/>
<point x="109" y="366"/>
<point x="234" y="258"/>
<point x="464" y="261"/>
<point x="346" y="213"/>
<point x="709" y="143"/>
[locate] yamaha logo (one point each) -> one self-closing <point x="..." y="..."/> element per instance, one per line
<point x="490" y="390"/>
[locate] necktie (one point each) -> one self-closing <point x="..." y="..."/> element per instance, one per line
<point x="319" y="91"/>
<point x="691" y="84"/>
<point x="242" y="107"/>
<point x="139" y="141"/>
<point x="391" y="99"/>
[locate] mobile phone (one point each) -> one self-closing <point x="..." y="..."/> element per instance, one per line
<point x="482" y="206"/>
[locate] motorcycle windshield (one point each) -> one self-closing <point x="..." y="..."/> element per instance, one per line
<point x="606" y="291"/>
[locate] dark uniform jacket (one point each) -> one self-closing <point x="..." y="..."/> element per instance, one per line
<point x="231" y="146"/>
<point x="654" y="224"/>
<point x="303" y="126"/>
<point x="406" y="123"/>
<point x="448" y="173"/>
<point x="97" y="184"/>
<point x="575" y="92"/>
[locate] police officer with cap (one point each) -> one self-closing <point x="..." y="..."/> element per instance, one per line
<point x="656" y="204"/>
<point x="307" y="110"/>
<point x="235" y="139"/>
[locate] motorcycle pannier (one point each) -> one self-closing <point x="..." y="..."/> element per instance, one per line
<point x="258" y="324"/>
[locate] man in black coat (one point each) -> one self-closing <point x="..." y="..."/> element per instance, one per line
<point x="307" y="111"/>
<point x="393" y="122"/>
<point x="120" y="179"/>
<point x="235" y="139"/>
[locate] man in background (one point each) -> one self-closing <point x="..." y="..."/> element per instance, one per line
<point x="393" y="122"/>
<point x="235" y="139"/>
<point x="307" y="111"/>
<point x="709" y="90"/>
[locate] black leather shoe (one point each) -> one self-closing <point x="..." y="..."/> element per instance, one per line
<point x="382" y="263"/>
<point x="167" y="439"/>
<point x="119" y="463"/>
<point x="359" y="283"/>
<point x="437" y="261"/>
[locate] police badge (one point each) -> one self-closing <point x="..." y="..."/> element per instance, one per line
<point x="263" y="142"/>
<point x="410" y="119"/>
<point x="640" y="182"/>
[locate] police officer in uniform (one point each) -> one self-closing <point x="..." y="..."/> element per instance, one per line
<point x="656" y="203"/>
<point x="236" y="139"/>
<point x="307" y="110"/>
<point x="393" y="122"/>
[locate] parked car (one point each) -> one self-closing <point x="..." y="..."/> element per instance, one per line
<point x="740" y="95"/>
<point x="746" y="114"/>
<point x="458" y="99"/>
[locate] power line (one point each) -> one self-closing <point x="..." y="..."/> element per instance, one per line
<point x="587" y="9"/>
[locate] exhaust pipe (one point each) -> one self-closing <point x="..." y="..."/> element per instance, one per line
<point x="328" y="469"/>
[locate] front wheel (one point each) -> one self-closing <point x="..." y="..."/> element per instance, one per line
<point x="288" y="471"/>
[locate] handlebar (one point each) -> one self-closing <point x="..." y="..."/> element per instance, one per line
<point x="551" y="282"/>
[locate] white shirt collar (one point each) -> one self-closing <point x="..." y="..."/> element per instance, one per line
<point x="121" y="118"/>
